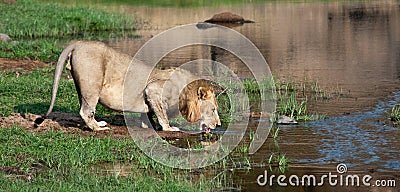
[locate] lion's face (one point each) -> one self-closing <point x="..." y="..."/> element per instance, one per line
<point x="208" y="108"/>
<point x="209" y="117"/>
<point x="197" y="103"/>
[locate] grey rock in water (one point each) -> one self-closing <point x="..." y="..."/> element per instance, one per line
<point x="285" y="120"/>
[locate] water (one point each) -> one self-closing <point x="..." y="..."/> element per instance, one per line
<point x="350" y="47"/>
<point x="361" y="140"/>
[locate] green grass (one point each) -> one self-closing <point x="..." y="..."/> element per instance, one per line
<point x="37" y="49"/>
<point x="57" y="161"/>
<point x="27" y="19"/>
<point x="293" y="99"/>
<point x="395" y="114"/>
<point x="30" y="92"/>
<point x="69" y="163"/>
<point x="58" y="150"/>
<point x="73" y="180"/>
<point x="41" y="29"/>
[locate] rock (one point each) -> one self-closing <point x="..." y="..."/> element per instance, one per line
<point x="5" y="38"/>
<point x="227" y="17"/>
<point x="285" y="120"/>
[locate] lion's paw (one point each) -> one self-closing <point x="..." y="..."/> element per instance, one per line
<point x="101" y="123"/>
<point x="144" y="125"/>
<point x="173" y="129"/>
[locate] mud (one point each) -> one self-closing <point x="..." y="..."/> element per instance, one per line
<point x="7" y="64"/>
<point x="15" y="172"/>
<point x="73" y="124"/>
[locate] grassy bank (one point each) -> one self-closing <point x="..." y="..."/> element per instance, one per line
<point x="24" y="93"/>
<point x="27" y="19"/>
<point x="39" y="28"/>
<point x="59" y="162"/>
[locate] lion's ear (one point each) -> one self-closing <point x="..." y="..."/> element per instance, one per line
<point x="203" y="93"/>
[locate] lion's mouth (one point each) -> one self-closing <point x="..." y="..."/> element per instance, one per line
<point x="205" y="129"/>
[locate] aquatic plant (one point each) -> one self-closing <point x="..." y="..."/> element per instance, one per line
<point x="395" y="114"/>
<point x="291" y="99"/>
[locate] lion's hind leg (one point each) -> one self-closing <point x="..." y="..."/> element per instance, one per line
<point x="89" y="94"/>
<point x="87" y="113"/>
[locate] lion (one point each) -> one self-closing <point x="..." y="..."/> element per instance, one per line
<point x="100" y="75"/>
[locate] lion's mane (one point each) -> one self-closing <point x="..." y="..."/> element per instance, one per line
<point x="190" y="96"/>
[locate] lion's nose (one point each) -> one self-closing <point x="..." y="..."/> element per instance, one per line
<point x="219" y="122"/>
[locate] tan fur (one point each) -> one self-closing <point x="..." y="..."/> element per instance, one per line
<point x="189" y="99"/>
<point x="103" y="75"/>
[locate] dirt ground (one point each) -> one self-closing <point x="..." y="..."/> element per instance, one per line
<point x="21" y="64"/>
<point x="73" y="124"/>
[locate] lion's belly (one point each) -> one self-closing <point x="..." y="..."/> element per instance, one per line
<point x="113" y="99"/>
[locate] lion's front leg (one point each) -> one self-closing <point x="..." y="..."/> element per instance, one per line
<point x="154" y="97"/>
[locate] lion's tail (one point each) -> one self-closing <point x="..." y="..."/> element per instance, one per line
<point x="57" y="73"/>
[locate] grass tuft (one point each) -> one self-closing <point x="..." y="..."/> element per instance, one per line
<point x="395" y="114"/>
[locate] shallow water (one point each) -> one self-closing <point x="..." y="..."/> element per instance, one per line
<point x="361" y="140"/>
<point x="352" y="48"/>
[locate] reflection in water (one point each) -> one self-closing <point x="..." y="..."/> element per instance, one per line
<point x="353" y="47"/>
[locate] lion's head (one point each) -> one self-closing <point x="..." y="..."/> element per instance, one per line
<point x="197" y="103"/>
